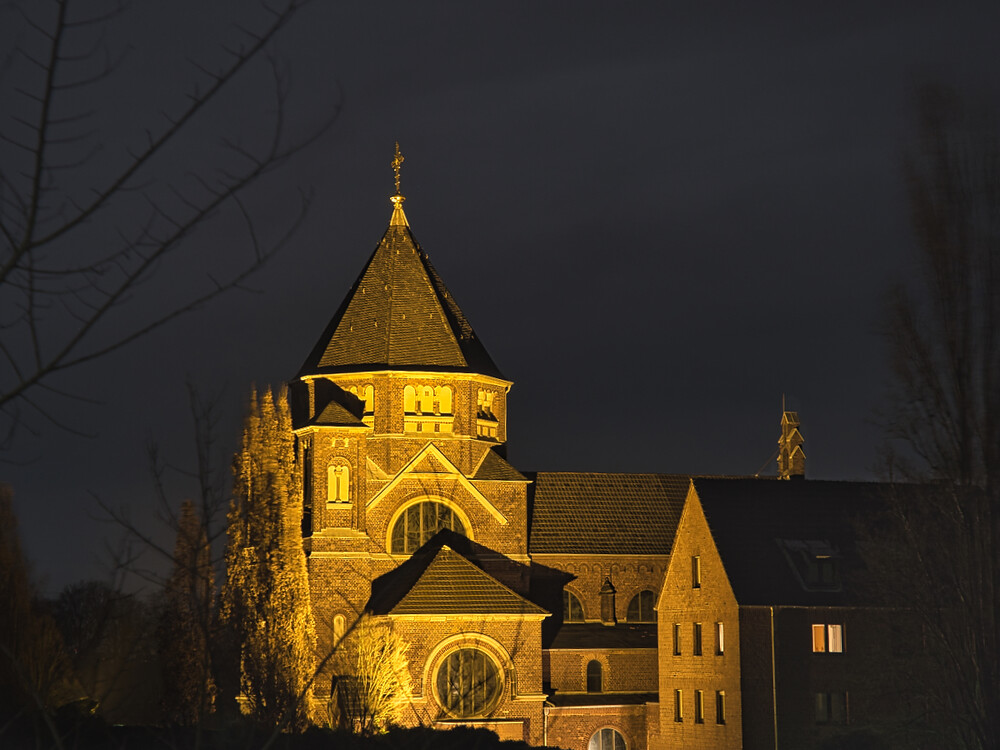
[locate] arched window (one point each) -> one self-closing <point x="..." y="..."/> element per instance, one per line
<point x="640" y="609"/>
<point x="607" y="739"/>
<point x="410" y="400"/>
<point x="468" y="683"/>
<point x="369" y="395"/>
<point x="339" y="628"/>
<point x="338" y="483"/>
<point x="420" y="522"/>
<point x="595" y="676"/>
<point x="443" y="395"/>
<point x="572" y="609"/>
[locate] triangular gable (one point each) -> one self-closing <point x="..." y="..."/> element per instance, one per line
<point x="451" y="585"/>
<point x="432" y="453"/>
<point x="493" y="467"/>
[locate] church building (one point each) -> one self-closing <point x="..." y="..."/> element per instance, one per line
<point x="581" y="610"/>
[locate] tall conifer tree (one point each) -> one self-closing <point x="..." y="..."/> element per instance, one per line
<point x="266" y="594"/>
<point x="187" y="624"/>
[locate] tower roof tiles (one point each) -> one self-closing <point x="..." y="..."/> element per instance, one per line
<point x="399" y="315"/>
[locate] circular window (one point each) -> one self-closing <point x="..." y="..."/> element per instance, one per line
<point x="468" y="683"/>
<point x="420" y="522"/>
<point x="606" y="739"/>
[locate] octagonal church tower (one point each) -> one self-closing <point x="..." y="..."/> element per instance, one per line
<point x="401" y="420"/>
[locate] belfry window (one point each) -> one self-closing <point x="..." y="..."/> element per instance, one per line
<point x="420" y="522"/>
<point x="640" y="609"/>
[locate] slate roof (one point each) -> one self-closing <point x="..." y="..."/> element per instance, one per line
<point x="399" y="315"/>
<point x="495" y="467"/>
<point x="334" y="406"/>
<point x="596" y="635"/>
<point x="755" y="522"/>
<point x="446" y="584"/>
<point x="604" y="514"/>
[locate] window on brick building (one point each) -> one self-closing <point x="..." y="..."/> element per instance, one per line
<point x="699" y="707"/>
<point x="831" y="708"/>
<point x="572" y="608"/>
<point x="696" y="572"/>
<point x="595" y="676"/>
<point x="720" y="706"/>
<point x="720" y="639"/>
<point x="677" y="639"/>
<point x="696" y="639"/>
<point x="420" y="522"/>
<point x="468" y="683"/>
<point x="607" y="739"/>
<point x="678" y="705"/>
<point x="338" y="483"/>
<point x="827" y="638"/>
<point x="339" y="628"/>
<point x="640" y="609"/>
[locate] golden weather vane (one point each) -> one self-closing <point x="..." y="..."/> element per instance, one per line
<point x="397" y="162"/>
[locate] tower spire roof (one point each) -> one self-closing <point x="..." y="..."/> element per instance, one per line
<point x="399" y="315"/>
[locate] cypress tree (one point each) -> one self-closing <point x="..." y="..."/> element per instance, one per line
<point x="266" y="595"/>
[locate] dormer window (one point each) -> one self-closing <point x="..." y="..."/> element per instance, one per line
<point x="815" y="563"/>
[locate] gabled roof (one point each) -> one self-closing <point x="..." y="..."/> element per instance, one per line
<point x="767" y="529"/>
<point x="604" y="514"/>
<point x="446" y="584"/>
<point x="399" y="316"/>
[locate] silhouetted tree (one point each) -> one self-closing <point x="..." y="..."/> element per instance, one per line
<point x="265" y="600"/>
<point x="34" y="673"/>
<point x="372" y="683"/>
<point x="937" y="550"/>
<point x="187" y="624"/>
<point x="88" y="212"/>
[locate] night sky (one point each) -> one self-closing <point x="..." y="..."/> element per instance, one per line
<point x="658" y="220"/>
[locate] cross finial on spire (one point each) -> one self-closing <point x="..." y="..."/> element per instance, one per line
<point x="397" y="162"/>
<point x="398" y="217"/>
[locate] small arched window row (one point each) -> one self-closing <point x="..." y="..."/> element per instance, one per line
<point x="367" y="394"/>
<point x="338" y="483"/>
<point x="419" y="522"/>
<point x="486" y="420"/>
<point x="640" y="609"/>
<point x="426" y="400"/>
<point x="572" y="608"/>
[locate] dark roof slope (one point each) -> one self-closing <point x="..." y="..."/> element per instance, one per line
<point x="596" y="635"/>
<point x="766" y="529"/>
<point x="399" y="316"/>
<point x="604" y="514"/>
<point x="438" y="580"/>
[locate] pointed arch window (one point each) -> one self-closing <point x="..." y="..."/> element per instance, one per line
<point x="338" y="483"/>
<point x="640" y="609"/>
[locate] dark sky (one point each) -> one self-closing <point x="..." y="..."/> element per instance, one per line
<point x="658" y="220"/>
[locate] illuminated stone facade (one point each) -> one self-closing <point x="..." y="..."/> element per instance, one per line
<point x="588" y="611"/>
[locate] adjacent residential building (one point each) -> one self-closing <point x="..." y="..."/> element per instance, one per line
<point x="581" y="610"/>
